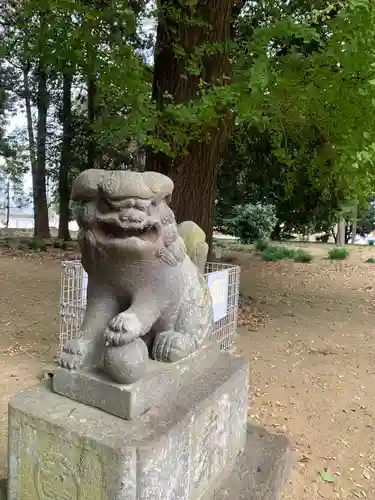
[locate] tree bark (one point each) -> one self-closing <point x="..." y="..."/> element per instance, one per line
<point x="354" y="222"/>
<point x="64" y="191"/>
<point x="341" y="232"/>
<point x="7" y="205"/>
<point x="29" y="118"/>
<point x="91" y="99"/>
<point x="37" y="153"/>
<point x="91" y="116"/>
<point x="41" y="222"/>
<point x="194" y="174"/>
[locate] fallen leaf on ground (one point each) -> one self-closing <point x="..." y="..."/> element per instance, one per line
<point x="326" y="477"/>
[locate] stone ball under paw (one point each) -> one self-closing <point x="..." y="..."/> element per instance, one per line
<point x="127" y="363"/>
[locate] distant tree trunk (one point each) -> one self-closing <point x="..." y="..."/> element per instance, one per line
<point x="341" y="232"/>
<point x="7" y="205"/>
<point x="348" y="232"/>
<point x="41" y="223"/>
<point x="276" y="233"/>
<point x="195" y="174"/>
<point x="354" y="222"/>
<point x="64" y="191"/>
<point x="354" y="230"/>
<point x="29" y="118"/>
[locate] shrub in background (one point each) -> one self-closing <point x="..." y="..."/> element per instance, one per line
<point x="279" y="252"/>
<point x="37" y="244"/>
<point x="303" y="257"/>
<point x="253" y="222"/>
<point x="261" y="245"/>
<point x="338" y="253"/>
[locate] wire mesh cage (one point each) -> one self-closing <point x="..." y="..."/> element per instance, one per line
<point x="223" y="281"/>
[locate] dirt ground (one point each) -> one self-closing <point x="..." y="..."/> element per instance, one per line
<point x="312" y="369"/>
<point x="311" y="360"/>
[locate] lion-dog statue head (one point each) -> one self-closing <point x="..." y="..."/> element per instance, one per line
<point x="127" y="212"/>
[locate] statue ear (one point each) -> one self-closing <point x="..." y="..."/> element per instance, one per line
<point x="85" y="186"/>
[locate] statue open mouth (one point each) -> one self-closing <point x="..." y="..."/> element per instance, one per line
<point x="147" y="232"/>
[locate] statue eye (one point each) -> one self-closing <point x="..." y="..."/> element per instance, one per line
<point x="104" y="207"/>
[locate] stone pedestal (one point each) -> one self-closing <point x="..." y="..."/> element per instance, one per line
<point x="159" y="384"/>
<point x="180" y="449"/>
<point x="192" y="443"/>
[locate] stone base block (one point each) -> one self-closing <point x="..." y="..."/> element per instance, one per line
<point x="129" y="401"/>
<point x="261" y="471"/>
<point x="178" y="450"/>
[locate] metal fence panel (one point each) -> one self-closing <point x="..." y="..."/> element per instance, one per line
<point x="73" y="301"/>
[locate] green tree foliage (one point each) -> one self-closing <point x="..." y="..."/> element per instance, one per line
<point x="329" y="91"/>
<point x="252" y="171"/>
<point x="366" y="219"/>
<point x="309" y="147"/>
<point x="290" y="83"/>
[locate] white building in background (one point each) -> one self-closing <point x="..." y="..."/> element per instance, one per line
<point x="23" y="218"/>
<point x="19" y="218"/>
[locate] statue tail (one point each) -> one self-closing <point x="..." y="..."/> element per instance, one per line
<point x="195" y="243"/>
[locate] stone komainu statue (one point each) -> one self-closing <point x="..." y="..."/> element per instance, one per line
<point x="146" y="295"/>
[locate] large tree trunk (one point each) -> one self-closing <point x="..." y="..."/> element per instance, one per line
<point x="91" y="116"/>
<point x="194" y="174"/>
<point x="194" y="178"/>
<point x="41" y="228"/>
<point x="91" y="100"/>
<point x="64" y="191"/>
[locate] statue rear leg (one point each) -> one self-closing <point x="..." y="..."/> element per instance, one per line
<point x="171" y="346"/>
<point x="190" y="329"/>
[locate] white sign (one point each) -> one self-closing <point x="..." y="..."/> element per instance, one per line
<point x="218" y="284"/>
<point x="85" y="280"/>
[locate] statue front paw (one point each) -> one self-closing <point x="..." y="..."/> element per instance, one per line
<point x="75" y="353"/>
<point x="123" y="329"/>
<point x="171" y="347"/>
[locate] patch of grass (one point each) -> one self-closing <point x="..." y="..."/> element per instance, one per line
<point x="5" y="242"/>
<point x="60" y="244"/>
<point x="21" y="246"/>
<point x="289" y="253"/>
<point x="302" y="256"/>
<point x="371" y="260"/>
<point x="271" y="255"/>
<point x="243" y="247"/>
<point x="339" y="253"/>
<point x="261" y="245"/>
<point x="37" y="244"/>
<point x="278" y="252"/>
